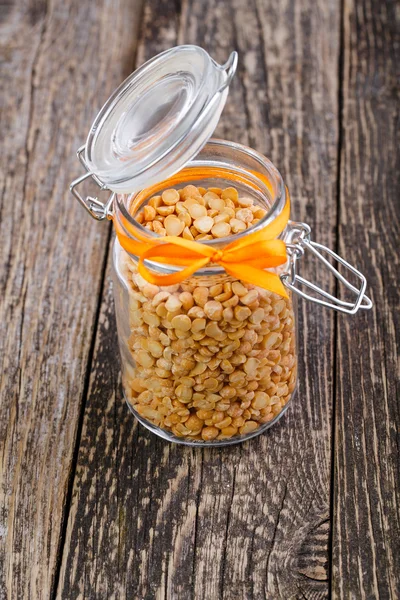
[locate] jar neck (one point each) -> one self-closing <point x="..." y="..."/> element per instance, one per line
<point x="219" y="164"/>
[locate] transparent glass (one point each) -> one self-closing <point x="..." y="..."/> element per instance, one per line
<point x="234" y="378"/>
<point x="159" y="118"/>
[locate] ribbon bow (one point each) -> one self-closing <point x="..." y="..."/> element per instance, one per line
<point x="243" y="259"/>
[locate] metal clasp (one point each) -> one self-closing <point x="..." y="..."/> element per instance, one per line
<point x="298" y="241"/>
<point x="97" y="209"/>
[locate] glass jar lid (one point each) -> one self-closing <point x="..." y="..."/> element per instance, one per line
<point x="158" y="119"/>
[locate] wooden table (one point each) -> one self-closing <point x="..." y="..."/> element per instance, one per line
<point x="91" y="504"/>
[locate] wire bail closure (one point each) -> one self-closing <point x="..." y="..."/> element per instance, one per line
<point x="299" y="241"/>
<point x="97" y="209"/>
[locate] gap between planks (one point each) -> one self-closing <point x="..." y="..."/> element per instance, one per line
<point x="64" y="522"/>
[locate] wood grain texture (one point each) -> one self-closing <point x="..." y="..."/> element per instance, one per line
<point x="59" y="62"/>
<point x="150" y="519"/>
<point x="366" y="544"/>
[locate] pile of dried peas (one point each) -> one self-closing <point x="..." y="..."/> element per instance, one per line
<point x="213" y="357"/>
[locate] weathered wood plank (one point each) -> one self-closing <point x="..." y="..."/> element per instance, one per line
<point x="366" y="542"/>
<point x="59" y="61"/>
<point x="153" y="520"/>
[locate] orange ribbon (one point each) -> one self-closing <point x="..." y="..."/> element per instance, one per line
<point x="243" y="259"/>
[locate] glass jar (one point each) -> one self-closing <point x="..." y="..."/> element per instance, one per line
<point x="231" y="374"/>
<point x="209" y="358"/>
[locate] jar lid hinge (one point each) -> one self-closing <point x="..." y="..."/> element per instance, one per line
<point x="95" y="207"/>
